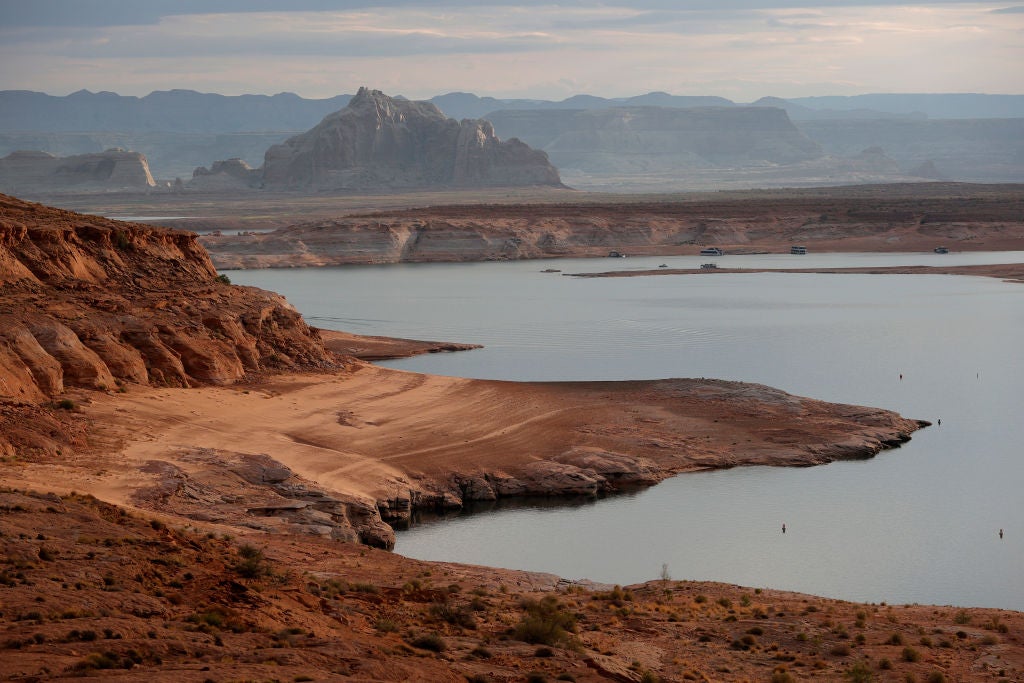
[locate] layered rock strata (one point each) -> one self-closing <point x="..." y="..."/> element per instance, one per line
<point x="35" y="172"/>
<point x="93" y="303"/>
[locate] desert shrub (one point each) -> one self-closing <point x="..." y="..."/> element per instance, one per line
<point x="385" y="626"/>
<point x="365" y="588"/>
<point x="223" y="279"/>
<point x="962" y="617"/>
<point x="66" y="404"/>
<point x="840" y="650"/>
<point x="895" y="639"/>
<point x="543" y="651"/>
<point x="700" y="599"/>
<point x="911" y="655"/>
<point x="936" y="677"/>
<point x="782" y="676"/>
<point x="859" y="673"/>
<point x="546" y="622"/>
<point x="725" y="602"/>
<point x="458" y="616"/>
<point x="430" y="641"/>
<point x="617" y="596"/>
<point x="252" y="564"/>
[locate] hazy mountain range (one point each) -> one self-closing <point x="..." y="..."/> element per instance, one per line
<point x="654" y="141"/>
<point x="187" y="111"/>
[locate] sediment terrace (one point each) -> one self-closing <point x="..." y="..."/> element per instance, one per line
<point x="884" y="218"/>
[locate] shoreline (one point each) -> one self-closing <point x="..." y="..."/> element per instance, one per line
<point x="342" y="454"/>
<point x="1008" y="272"/>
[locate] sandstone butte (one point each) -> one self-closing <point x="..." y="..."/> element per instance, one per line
<point x="378" y="142"/>
<point x="160" y="413"/>
<point x="112" y="170"/>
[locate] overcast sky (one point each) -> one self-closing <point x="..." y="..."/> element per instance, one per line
<point x="740" y="49"/>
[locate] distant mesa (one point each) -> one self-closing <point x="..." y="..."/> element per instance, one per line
<point x="225" y="175"/>
<point x="625" y="140"/>
<point x="114" y="169"/>
<point x="381" y="142"/>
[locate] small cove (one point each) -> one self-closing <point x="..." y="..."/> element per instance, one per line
<point x="918" y="524"/>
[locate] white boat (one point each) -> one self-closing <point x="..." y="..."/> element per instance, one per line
<point x="797" y="250"/>
<point x="941" y="250"/>
<point x="711" y="251"/>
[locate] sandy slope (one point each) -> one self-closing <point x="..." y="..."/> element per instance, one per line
<point x="330" y="453"/>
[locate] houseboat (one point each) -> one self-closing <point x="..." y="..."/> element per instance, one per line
<point x="941" y="250"/>
<point x="708" y="266"/>
<point x="711" y="251"/>
<point x="798" y="250"/>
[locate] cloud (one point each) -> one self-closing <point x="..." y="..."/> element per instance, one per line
<point x="520" y="49"/>
<point x="93" y="13"/>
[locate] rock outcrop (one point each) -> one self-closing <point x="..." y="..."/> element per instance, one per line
<point x="114" y="169"/>
<point x="90" y="302"/>
<point x="225" y="175"/>
<point x="378" y="142"/>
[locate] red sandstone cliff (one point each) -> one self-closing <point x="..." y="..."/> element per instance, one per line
<point x="90" y="302"/>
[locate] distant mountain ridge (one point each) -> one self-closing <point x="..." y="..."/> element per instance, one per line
<point x="184" y="111"/>
<point x="188" y="111"/>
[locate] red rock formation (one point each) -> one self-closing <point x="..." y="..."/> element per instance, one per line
<point x="90" y="302"/>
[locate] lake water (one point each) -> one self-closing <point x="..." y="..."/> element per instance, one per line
<point x="917" y="524"/>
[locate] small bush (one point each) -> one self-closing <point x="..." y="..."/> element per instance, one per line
<point x="936" y="677"/>
<point x="458" y="616"/>
<point x="546" y="623"/>
<point x="911" y="655"/>
<point x="66" y="404"/>
<point x="223" y="279"/>
<point x="895" y="639"/>
<point x="386" y="626"/>
<point x="365" y="588"/>
<point x="840" y="650"/>
<point x="859" y="673"/>
<point x="481" y="652"/>
<point x="962" y="617"/>
<point x="252" y="564"/>
<point x="430" y="641"/>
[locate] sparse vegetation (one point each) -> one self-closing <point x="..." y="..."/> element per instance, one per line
<point x="546" y="622"/>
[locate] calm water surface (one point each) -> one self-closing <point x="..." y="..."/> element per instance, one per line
<point x="917" y="524"/>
